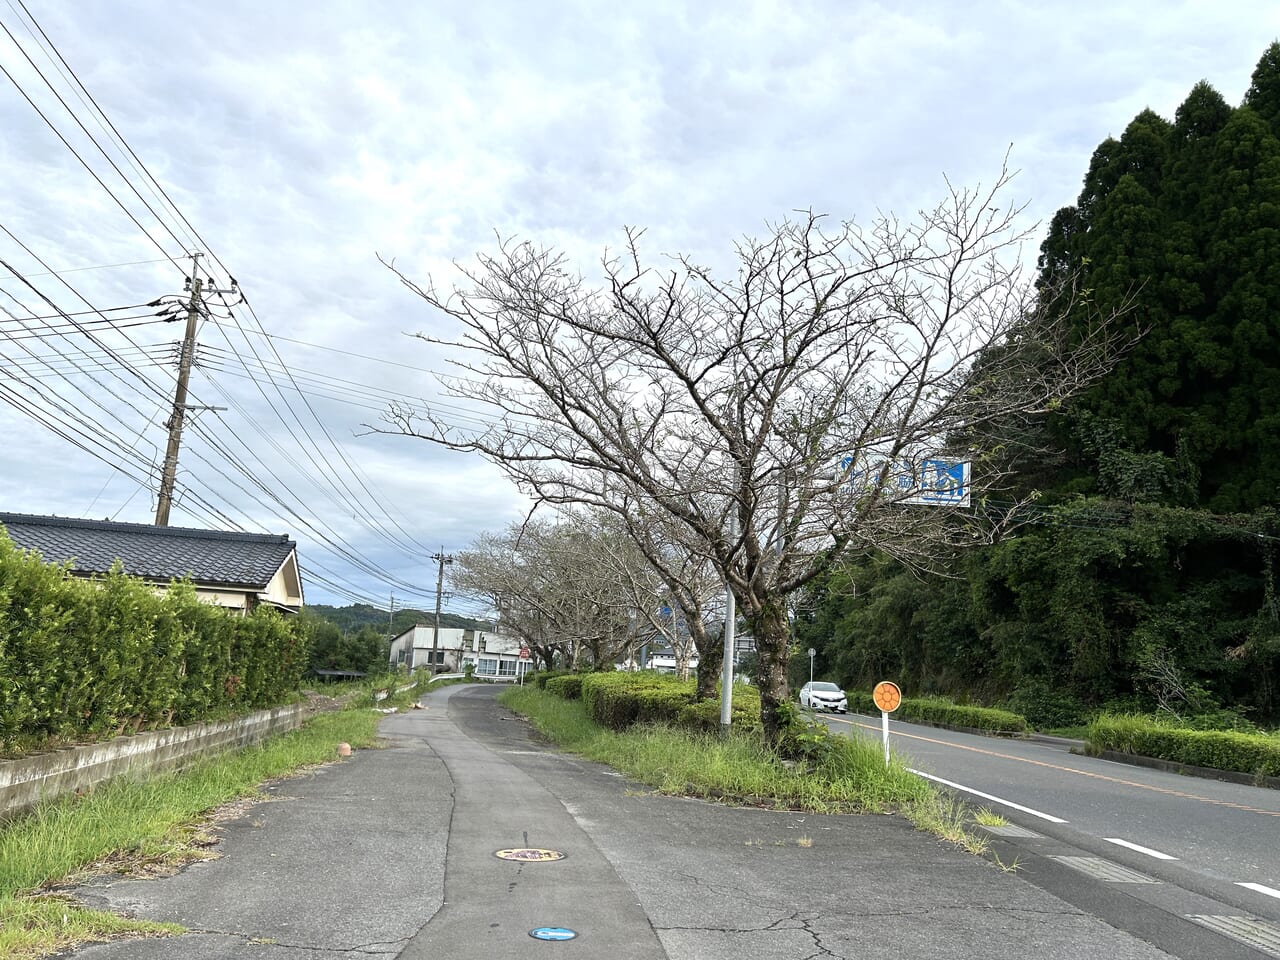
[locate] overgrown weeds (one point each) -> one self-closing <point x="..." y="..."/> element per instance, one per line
<point x="842" y="776"/>
<point x="135" y="826"/>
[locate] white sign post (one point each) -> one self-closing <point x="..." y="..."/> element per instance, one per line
<point x="888" y="698"/>
<point x="811" y="653"/>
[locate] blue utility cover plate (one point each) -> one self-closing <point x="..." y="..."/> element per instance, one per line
<point x="552" y="933"/>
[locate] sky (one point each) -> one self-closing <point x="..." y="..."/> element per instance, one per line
<point x="301" y="147"/>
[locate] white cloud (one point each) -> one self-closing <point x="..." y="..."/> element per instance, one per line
<point x="301" y="142"/>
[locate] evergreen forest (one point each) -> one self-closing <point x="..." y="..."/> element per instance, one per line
<point x="1143" y="578"/>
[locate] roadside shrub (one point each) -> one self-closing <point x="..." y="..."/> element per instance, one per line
<point x="955" y="715"/>
<point x="860" y="701"/>
<point x="803" y="738"/>
<point x="1256" y="754"/>
<point x="704" y="715"/>
<point x="87" y="660"/>
<point x="1046" y="708"/>
<point x="567" y="686"/>
<point x="937" y="710"/>
<point x="542" y="676"/>
<point x="617" y="700"/>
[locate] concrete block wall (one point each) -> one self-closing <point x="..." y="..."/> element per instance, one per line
<point x="25" y="782"/>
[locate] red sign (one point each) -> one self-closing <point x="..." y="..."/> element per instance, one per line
<point x="524" y="653"/>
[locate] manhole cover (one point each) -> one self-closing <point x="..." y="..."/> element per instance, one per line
<point x="552" y="933"/>
<point x="530" y="855"/>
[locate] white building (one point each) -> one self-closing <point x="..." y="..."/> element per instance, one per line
<point x="494" y="656"/>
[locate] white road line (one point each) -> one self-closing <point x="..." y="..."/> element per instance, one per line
<point x="987" y="796"/>
<point x="1133" y="846"/>
<point x="1270" y="892"/>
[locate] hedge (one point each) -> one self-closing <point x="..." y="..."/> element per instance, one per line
<point x="1256" y="754"/>
<point x="567" y="686"/>
<point x="934" y="710"/>
<point x="87" y="660"/>
<point x="618" y="700"/>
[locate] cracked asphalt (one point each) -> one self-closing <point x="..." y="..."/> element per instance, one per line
<point x="392" y="854"/>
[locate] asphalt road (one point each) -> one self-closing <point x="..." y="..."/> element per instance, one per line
<point x="1184" y="846"/>
<point x="400" y="853"/>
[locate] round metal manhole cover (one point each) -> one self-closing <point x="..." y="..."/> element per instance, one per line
<point x="530" y="855"/>
<point x="552" y="933"/>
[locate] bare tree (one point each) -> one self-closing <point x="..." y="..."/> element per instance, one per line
<point x="555" y="586"/>
<point x="769" y="414"/>
<point x="670" y="583"/>
<point x="689" y="580"/>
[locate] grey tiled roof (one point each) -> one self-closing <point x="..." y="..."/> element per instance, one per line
<point x="155" y="553"/>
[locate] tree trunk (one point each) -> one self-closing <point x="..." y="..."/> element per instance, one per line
<point x="710" y="660"/>
<point x="772" y="636"/>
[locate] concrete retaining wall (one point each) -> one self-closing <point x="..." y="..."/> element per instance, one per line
<point x="25" y="782"/>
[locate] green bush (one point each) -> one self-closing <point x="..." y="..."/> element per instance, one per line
<point x="567" y="686"/>
<point x="934" y="710"/>
<point x="619" y="700"/>
<point x="542" y="676"/>
<point x="704" y="715"/>
<point x="951" y="714"/>
<point x="1256" y="754"/>
<point x="86" y="660"/>
<point x="1047" y="708"/>
<point x="861" y="701"/>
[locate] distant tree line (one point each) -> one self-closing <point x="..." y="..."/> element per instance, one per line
<point x="1143" y="576"/>
<point x="358" y="637"/>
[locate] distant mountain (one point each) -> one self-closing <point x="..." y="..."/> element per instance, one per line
<point x="352" y="618"/>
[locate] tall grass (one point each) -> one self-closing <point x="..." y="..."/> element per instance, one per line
<point x="137" y="821"/>
<point x="852" y="777"/>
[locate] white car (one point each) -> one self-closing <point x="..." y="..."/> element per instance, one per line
<point x="820" y="695"/>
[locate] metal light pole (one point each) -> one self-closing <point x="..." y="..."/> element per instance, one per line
<point x="811" y="653"/>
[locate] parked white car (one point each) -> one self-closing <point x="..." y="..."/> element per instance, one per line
<point x="820" y="695"/>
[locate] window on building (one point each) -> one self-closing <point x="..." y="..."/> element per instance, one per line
<point x="487" y="667"/>
<point x="506" y="668"/>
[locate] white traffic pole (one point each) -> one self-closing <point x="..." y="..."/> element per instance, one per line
<point x="884" y="722"/>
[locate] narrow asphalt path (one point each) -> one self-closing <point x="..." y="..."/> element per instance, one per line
<point x="392" y="854"/>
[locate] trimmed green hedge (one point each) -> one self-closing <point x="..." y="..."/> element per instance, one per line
<point x="618" y="700"/>
<point x="1256" y="754"/>
<point x="87" y="660"/>
<point x="566" y="686"/>
<point x="542" y="676"/>
<point x="957" y="715"/>
<point x="935" y="710"/>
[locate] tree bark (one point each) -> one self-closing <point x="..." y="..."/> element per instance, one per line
<point x="772" y="636"/>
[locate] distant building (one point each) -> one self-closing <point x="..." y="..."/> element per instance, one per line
<point x="493" y="655"/>
<point x="238" y="571"/>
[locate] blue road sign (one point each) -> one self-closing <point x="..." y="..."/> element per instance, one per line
<point x="933" y="482"/>
<point x="552" y="933"/>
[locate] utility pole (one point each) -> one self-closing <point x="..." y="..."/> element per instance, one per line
<point x="441" y="559"/>
<point x="185" y="358"/>
<point x="391" y="624"/>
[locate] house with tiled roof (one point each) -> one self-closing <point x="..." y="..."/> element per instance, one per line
<point x="239" y="571"/>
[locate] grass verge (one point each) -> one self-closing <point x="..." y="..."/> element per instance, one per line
<point x="849" y="778"/>
<point x="138" y="826"/>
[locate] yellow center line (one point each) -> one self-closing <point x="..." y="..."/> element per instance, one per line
<point x="1084" y="773"/>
